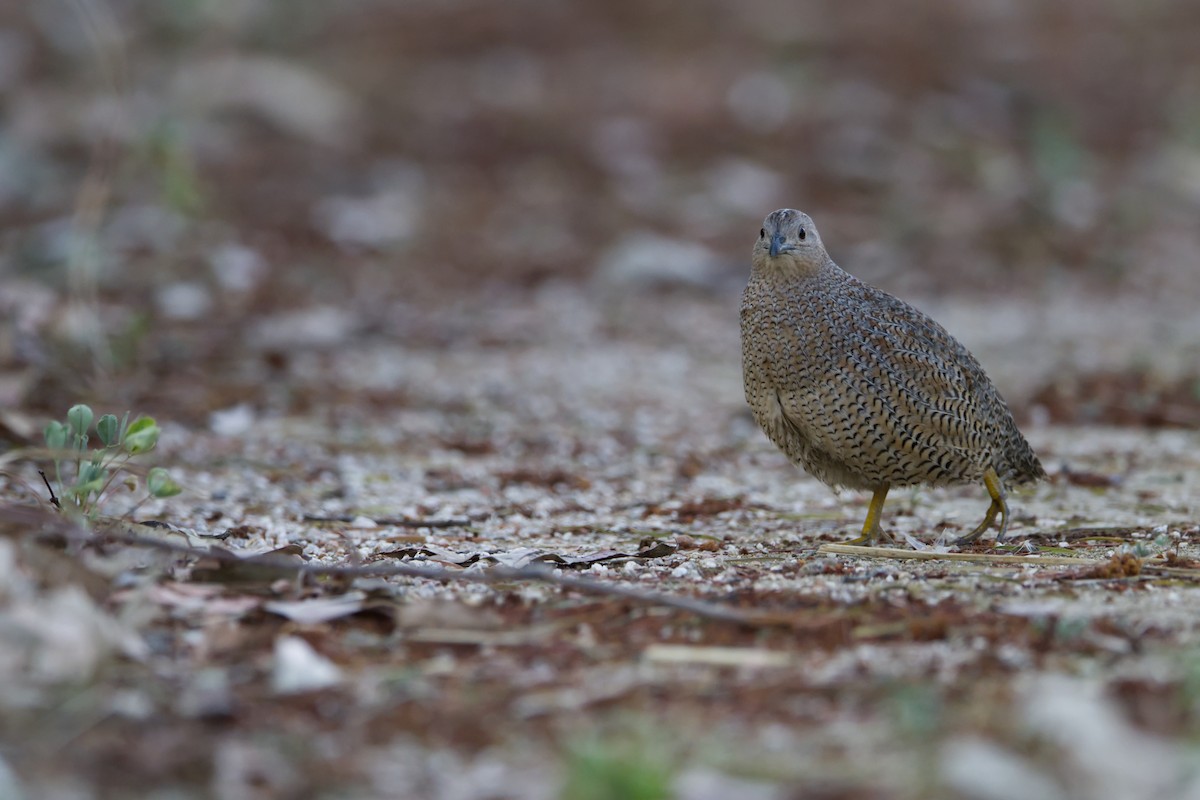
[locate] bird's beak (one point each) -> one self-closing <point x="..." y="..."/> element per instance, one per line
<point x="777" y="245"/>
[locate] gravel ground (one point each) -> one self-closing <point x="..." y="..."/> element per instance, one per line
<point x="610" y="440"/>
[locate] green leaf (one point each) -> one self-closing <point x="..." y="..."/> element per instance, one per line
<point x="91" y="481"/>
<point x="79" y="418"/>
<point x="108" y="428"/>
<point x="90" y="472"/>
<point x="56" y="435"/>
<point x="84" y="491"/>
<point x="160" y="483"/>
<point x="142" y="435"/>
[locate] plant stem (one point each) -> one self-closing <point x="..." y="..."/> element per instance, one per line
<point x="114" y="471"/>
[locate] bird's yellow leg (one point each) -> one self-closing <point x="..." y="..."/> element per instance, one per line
<point x="999" y="506"/>
<point x="871" y="531"/>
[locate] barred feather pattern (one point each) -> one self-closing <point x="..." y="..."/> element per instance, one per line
<point x="863" y="390"/>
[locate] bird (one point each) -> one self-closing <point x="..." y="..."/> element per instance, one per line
<point x="864" y="391"/>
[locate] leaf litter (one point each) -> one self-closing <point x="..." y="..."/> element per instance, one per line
<point x="572" y="580"/>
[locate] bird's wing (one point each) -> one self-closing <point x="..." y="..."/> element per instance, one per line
<point x="937" y="387"/>
<point x="895" y="395"/>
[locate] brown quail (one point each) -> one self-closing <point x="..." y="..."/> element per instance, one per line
<point x="861" y="389"/>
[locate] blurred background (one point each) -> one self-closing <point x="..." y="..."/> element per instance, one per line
<point x="195" y="192"/>
<point x="479" y="262"/>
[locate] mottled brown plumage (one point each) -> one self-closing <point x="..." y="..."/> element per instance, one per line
<point x="861" y="389"/>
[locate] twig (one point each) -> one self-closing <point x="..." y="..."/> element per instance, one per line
<point x="925" y="555"/>
<point x="1174" y="572"/>
<point x="49" y="488"/>
<point x="394" y="522"/>
<point x="286" y="566"/>
<point x="1122" y="533"/>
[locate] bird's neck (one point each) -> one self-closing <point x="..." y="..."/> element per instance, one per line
<point x="786" y="267"/>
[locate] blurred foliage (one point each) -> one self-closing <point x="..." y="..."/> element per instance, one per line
<point x="616" y="770"/>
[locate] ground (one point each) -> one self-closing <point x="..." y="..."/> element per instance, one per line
<point x="622" y="455"/>
<point x="435" y="307"/>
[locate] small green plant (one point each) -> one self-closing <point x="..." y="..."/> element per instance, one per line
<point x="604" y="770"/>
<point x="917" y="709"/>
<point x="83" y="476"/>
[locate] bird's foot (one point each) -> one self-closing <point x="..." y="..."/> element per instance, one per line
<point x="871" y="531"/>
<point x="981" y="528"/>
<point x="999" y="507"/>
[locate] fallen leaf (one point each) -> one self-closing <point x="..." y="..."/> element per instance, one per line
<point x="300" y="668"/>
<point x="318" y="609"/>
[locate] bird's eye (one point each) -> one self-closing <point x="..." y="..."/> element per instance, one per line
<point x="802" y="234"/>
<point x="762" y="233"/>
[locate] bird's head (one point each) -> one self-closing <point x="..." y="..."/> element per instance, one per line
<point x="788" y="242"/>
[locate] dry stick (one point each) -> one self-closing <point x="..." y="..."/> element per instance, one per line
<point x="287" y="567"/>
<point x="1075" y="534"/>
<point x="1160" y="568"/>
<point x="395" y="522"/>
<point x="926" y="555"/>
<point x="49" y="488"/>
<point x="701" y="608"/>
<point x="1155" y="564"/>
